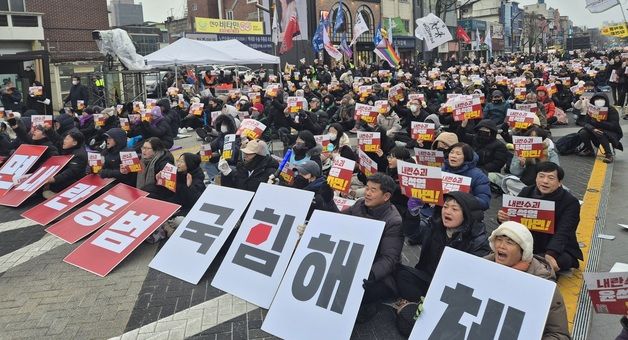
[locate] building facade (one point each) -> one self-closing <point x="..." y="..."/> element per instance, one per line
<point x="399" y="15"/>
<point x="125" y="13"/>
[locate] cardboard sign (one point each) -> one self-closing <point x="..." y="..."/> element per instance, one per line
<point x="467" y="108"/>
<point x="80" y="105"/>
<point x="287" y="174"/>
<point x="150" y="103"/>
<point x="263" y="246"/>
<point x="520" y="93"/>
<point x="167" y="177"/>
<point x="197" y="109"/>
<point x="366" y="165"/>
<point x="537" y="215"/>
<point x="608" y="292"/>
<point x="467" y="296"/>
<point x="92" y="216"/>
<point x="422" y="182"/>
<point x="196" y="242"/>
<point x="205" y="152"/>
<point x="41" y="120"/>
<point x="67" y="199"/>
<point x="416" y="96"/>
<point x="528" y="147"/>
<point x="366" y="113"/>
<point x="530" y="107"/>
<point x="138" y="107"/>
<point x="18" y="164"/>
<point x="36" y="91"/>
<point x="99" y="119"/>
<point x="124" y="124"/>
<point x="426" y="157"/>
<point x="36" y="180"/>
<point x="599" y="114"/>
<point x="396" y="93"/>
<point x="251" y="129"/>
<point x="229" y="146"/>
<point x="146" y="116"/>
<point x="110" y="245"/>
<point x="343" y="203"/>
<point x="382" y="106"/>
<point x="323" y="283"/>
<point x="518" y="119"/>
<point x="422" y="131"/>
<point x="323" y="140"/>
<point x="453" y="182"/>
<point x="369" y="141"/>
<point x="130" y="161"/>
<point x="95" y="161"/>
<point x="439" y="85"/>
<point x="339" y="177"/>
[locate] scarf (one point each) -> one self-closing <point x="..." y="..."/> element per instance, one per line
<point x="147" y="176"/>
<point x="522" y="265"/>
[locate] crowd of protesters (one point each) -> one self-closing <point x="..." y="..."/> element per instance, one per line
<point x="479" y="148"/>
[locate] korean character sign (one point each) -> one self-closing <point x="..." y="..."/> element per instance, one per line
<point x="599" y="114"/>
<point x="263" y="246"/>
<point x="124" y="124"/>
<point x="519" y="119"/>
<point x="467" y="296"/>
<point x="519" y="82"/>
<point x="369" y="141"/>
<point x="18" y="164"/>
<point x="272" y="90"/>
<point x="537" y="215"/>
<point x="577" y="89"/>
<point x="130" y="161"/>
<point x="551" y="89"/>
<point x="180" y="101"/>
<point x="41" y="120"/>
<point x="138" y="107"/>
<point x="95" y="162"/>
<point x="608" y="292"/>
<point x="416" y="96"/>
<point x="205" y="152"/>
<point x="36" y="91"/>
<point x="339" y="177"/>
<point x="99" y="119"/>
<point x="422" y="182"/>
<point x="80" y="105"/>
<point x="229" y="146"/>
<point x="453" y="182"/>
<point x="197" y="109"/>
<point x="119" y="109"/>
<point x="287" y="174"/>
<point x="439" y="85"/>
<point x="255" y="97"/>
<point x="530" y="107"/>
<point x="566" y="81"/>
<point x="366" y="113"/>
<point x="323" y="284"/>
<point x="251" y="129"/>
<point x="467" y="107"/>
<point x="422" y="131"/>
<point x="396" y="93"/>
<point x="167" y="177"/>
<point x="433" y="158"/>
<point x="382" y="106"/>
<point x="365" y="90"/>
<point x="196" y="242"/>
<point x="173" y="91"/>
<point x="501" y="80"/>
<point x="343" y="203"/>
<point x="528" y="147"/>
<point x="146" y="116"/>
<point x="295" y="104"/>
<point x="150" y="103"/>
<point x="134" y="118"/>
<point x="323" y="140"/>
<point x="366" y="165"/>
<point x="520" y="93"/>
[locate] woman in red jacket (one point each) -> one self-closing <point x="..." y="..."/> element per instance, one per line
<point x="550" y="108"/>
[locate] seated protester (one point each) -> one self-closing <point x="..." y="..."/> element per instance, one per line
<point x="63" y="123"/>
<point x="602" y="133"/>
<point x="115" y="142"/>
<point x="389" y="122"/>
<point x="306" y="121"/>
<point x="444" y="141"/>
<point x="157" y="128"/>
<point x="277" y="117"/>
<point x="38" y="136"/>
<point x="225" y="125"/>
<point x="329" y="106"/>
<point x="309" y="177"/>
<point x="560" y="249"/>
<point x="255" y="168"/>
<point x="171" y="115"/>
<point x="154" y="158"/>
<point x="538" y="121"/>
<point x="190" y="182"/>
<point x="581" y="102"/>
<point x="512" y="245"/>
<point x="345" y="113"/>
<point x="190" y="120"/>
<point x="398" y="199"/>
<point x="563" y="96"/>
<point x="492" y="153"/>
<point x="322" y="118"/>
<point x="73" y="144"/>
<point x="548" y="103"/>
<point x="305" y="148"/>
<point x="5" y="140"/>
<point x="458" y="224"/>
<point x="497" y="108"/>
<point x="86" y="125"/>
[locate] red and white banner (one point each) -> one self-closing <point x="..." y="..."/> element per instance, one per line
<point x="251" y="129"/>
<point x="519" y="82"/>
<point x="528" y="147"/>
<point x="422" y="131"/>
<point x="36" y="180"/>
<point x="416" y="96"/>
<point x="99" y="119"/>
<point x="41" y="120"/>
<point x="467" y="107"/>
<point x="453" y="182"/>
<point x="426" y="157"/>
<point x="95" y="161"/>
<point x="382" y="106"/>
<point x="92" y="216"/>
<point x="537" y="215"/>
<point x="296" y="104"/>
<point x="343" y="203"/>
<point x="167" y="177"/>
<point x="110" y="245"/>
<point x="20" y="162"/>
<point x="422" y="182"/>
<point x="67" y="199"/>
<point x="366" y="113"/>
<point x="439" y="85"/>
<point x="366" y="165"/>
<point x="197" y="109"/>
<point x="530" y="107"/>
<point x="369" y="141"/>
<point x="206" y="152"/>
<point x="131" y="161"/>
<point x="340" y="174"/>
<point x="150" y="104"/>
<point x="608" y="292"/>
<point x="518" y="119"/>
<point x="501" y="80"/>
<point x="520" y="93"/>
<point x="323" y="140"/>
<point x="599" y="114"/>
<point x="396" y="93"/>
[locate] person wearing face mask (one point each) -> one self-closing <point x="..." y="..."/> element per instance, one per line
<point x="255" y="168"/>
<point x="190" y="182"/>
<point x="78" y="91"/>
<point x="329" y="105"/>
<point x="116" y="141"/>
<point x="548" y="103"/>
<point x="604" y="131"/>
<point x="563" y="96"/>
<point x="305" y="148"/>
<point x="492" y="153"/>
<point x="73" y="144"/>
<point x="309" y="177"/>
<point x="497" y="108"/>
<point x="582" y="101"/>
<point x="339" y="145"/>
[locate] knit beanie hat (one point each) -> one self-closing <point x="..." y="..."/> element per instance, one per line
<point x="448" y="138"/>
<point x="518" y="233"/>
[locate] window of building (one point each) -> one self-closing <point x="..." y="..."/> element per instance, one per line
<point x="344" y="28"/>
<point x="229" y="15"/>
<point x="194" y="7"/>
<point x="369" y="20"/>
<point x="4" y="5"/>
<point x="17" y="6"/>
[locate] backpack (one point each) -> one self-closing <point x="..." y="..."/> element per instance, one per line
<point x="568" y="144"/>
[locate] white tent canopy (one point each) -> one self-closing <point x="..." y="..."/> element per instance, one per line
<point x="195" y="52"/>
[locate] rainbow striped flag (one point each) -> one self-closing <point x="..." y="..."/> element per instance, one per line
<point x="385" y="51"/>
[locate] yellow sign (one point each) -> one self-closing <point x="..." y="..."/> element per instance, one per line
<point x="210" y="25"/>
<point x="616" y="30"/>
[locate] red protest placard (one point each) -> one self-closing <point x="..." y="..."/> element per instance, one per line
<point x="416" y="96"/>
<point x="519" y="119"/>
<point x="130" y="161"/>
<point x="93" y="215"/>
<point x="396" y="92"/>
<point x="206" y="152"/>
<point x="422" y="131"/>
<point x="323" y="140"/>
<point x="366" y="165"/>
<point x="537" y="215"/>
<point x="599" y="114"/>
<point x="138" y="107"/>
<point x="18" y="164"/>
<point x="528" y="147"/>
<point x="439" y="85"/>
<point x="467" y="107"/>
<point x="366" y="113"/>
<point x="36" y="180"/>
<point x="251" y="129"/>
<point x="519" y="82"/>
<point x="433" y="158"/>
<point x="229" y="147"/>
<point x="343" y="203"/>
<point x="167" y="177"/>
<point x="340" y="174"/>
<point x="80" y="105"/>
<point x="255" y="97"/>
<point x="150" y="103"/>
<point x="41" y="120"/>
<point x="422" y="182"/>
<point x="99" y="119"/>
<point x="95" y="161"/>
<point x="110" y="245"/>
<point x="382" y="106"/>
<point x="520" y="93"/>
<point x="197" y="109"/>
<point x="295" y="104"/>
<point x="146" y="116"/>
<point x="287" y="174"/>
<point x="453" y="182"/>
<point x="530" y="107"/>
<point x="67" y="199"/>
<point x="36" y="91"/>
<point x="369" y="141"/>
<point x="608" y="292"/>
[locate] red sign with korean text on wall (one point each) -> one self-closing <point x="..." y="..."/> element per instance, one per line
<point x="537" y="215"/>
<point x="18" y="164"/>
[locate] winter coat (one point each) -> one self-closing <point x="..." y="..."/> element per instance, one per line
<point x="388" y="254"/>
<point x="160" y="130"/>
<point x="480" y="187"/>
<point x="496" y="112"/>
<point x="157" y="191"/>
<point x="527" y="172"/>
<point x="276" y="117"/>
<point x="111" y="159"/>
<point x="241" y="179"/>
<point x="391" y="123"/>
<point x="323" y="196"/>
<point x="77" y="92"/>
<point x="73" y="171"/>
<point x="25" y="138"/>
<point x="187" y="196"/>
<point x="567" y="217"/>
<point x="610" y="126"/>
<point x="492" y="156"/>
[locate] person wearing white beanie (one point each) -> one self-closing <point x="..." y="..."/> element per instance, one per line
<point x="512" y="243"/>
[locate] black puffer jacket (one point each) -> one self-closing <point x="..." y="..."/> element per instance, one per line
<point x="171" y="115"/>
<point x="610" y="126"/>
<point x="240" y="178"/>
<point x="160" y="130"/>
<point x="111" y="158"/>
<point x="187" y="196"/>
<point x="492" y="154"/>
<point x="73" y="171"/>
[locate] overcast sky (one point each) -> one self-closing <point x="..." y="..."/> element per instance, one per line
<point x="158" y="10"/>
